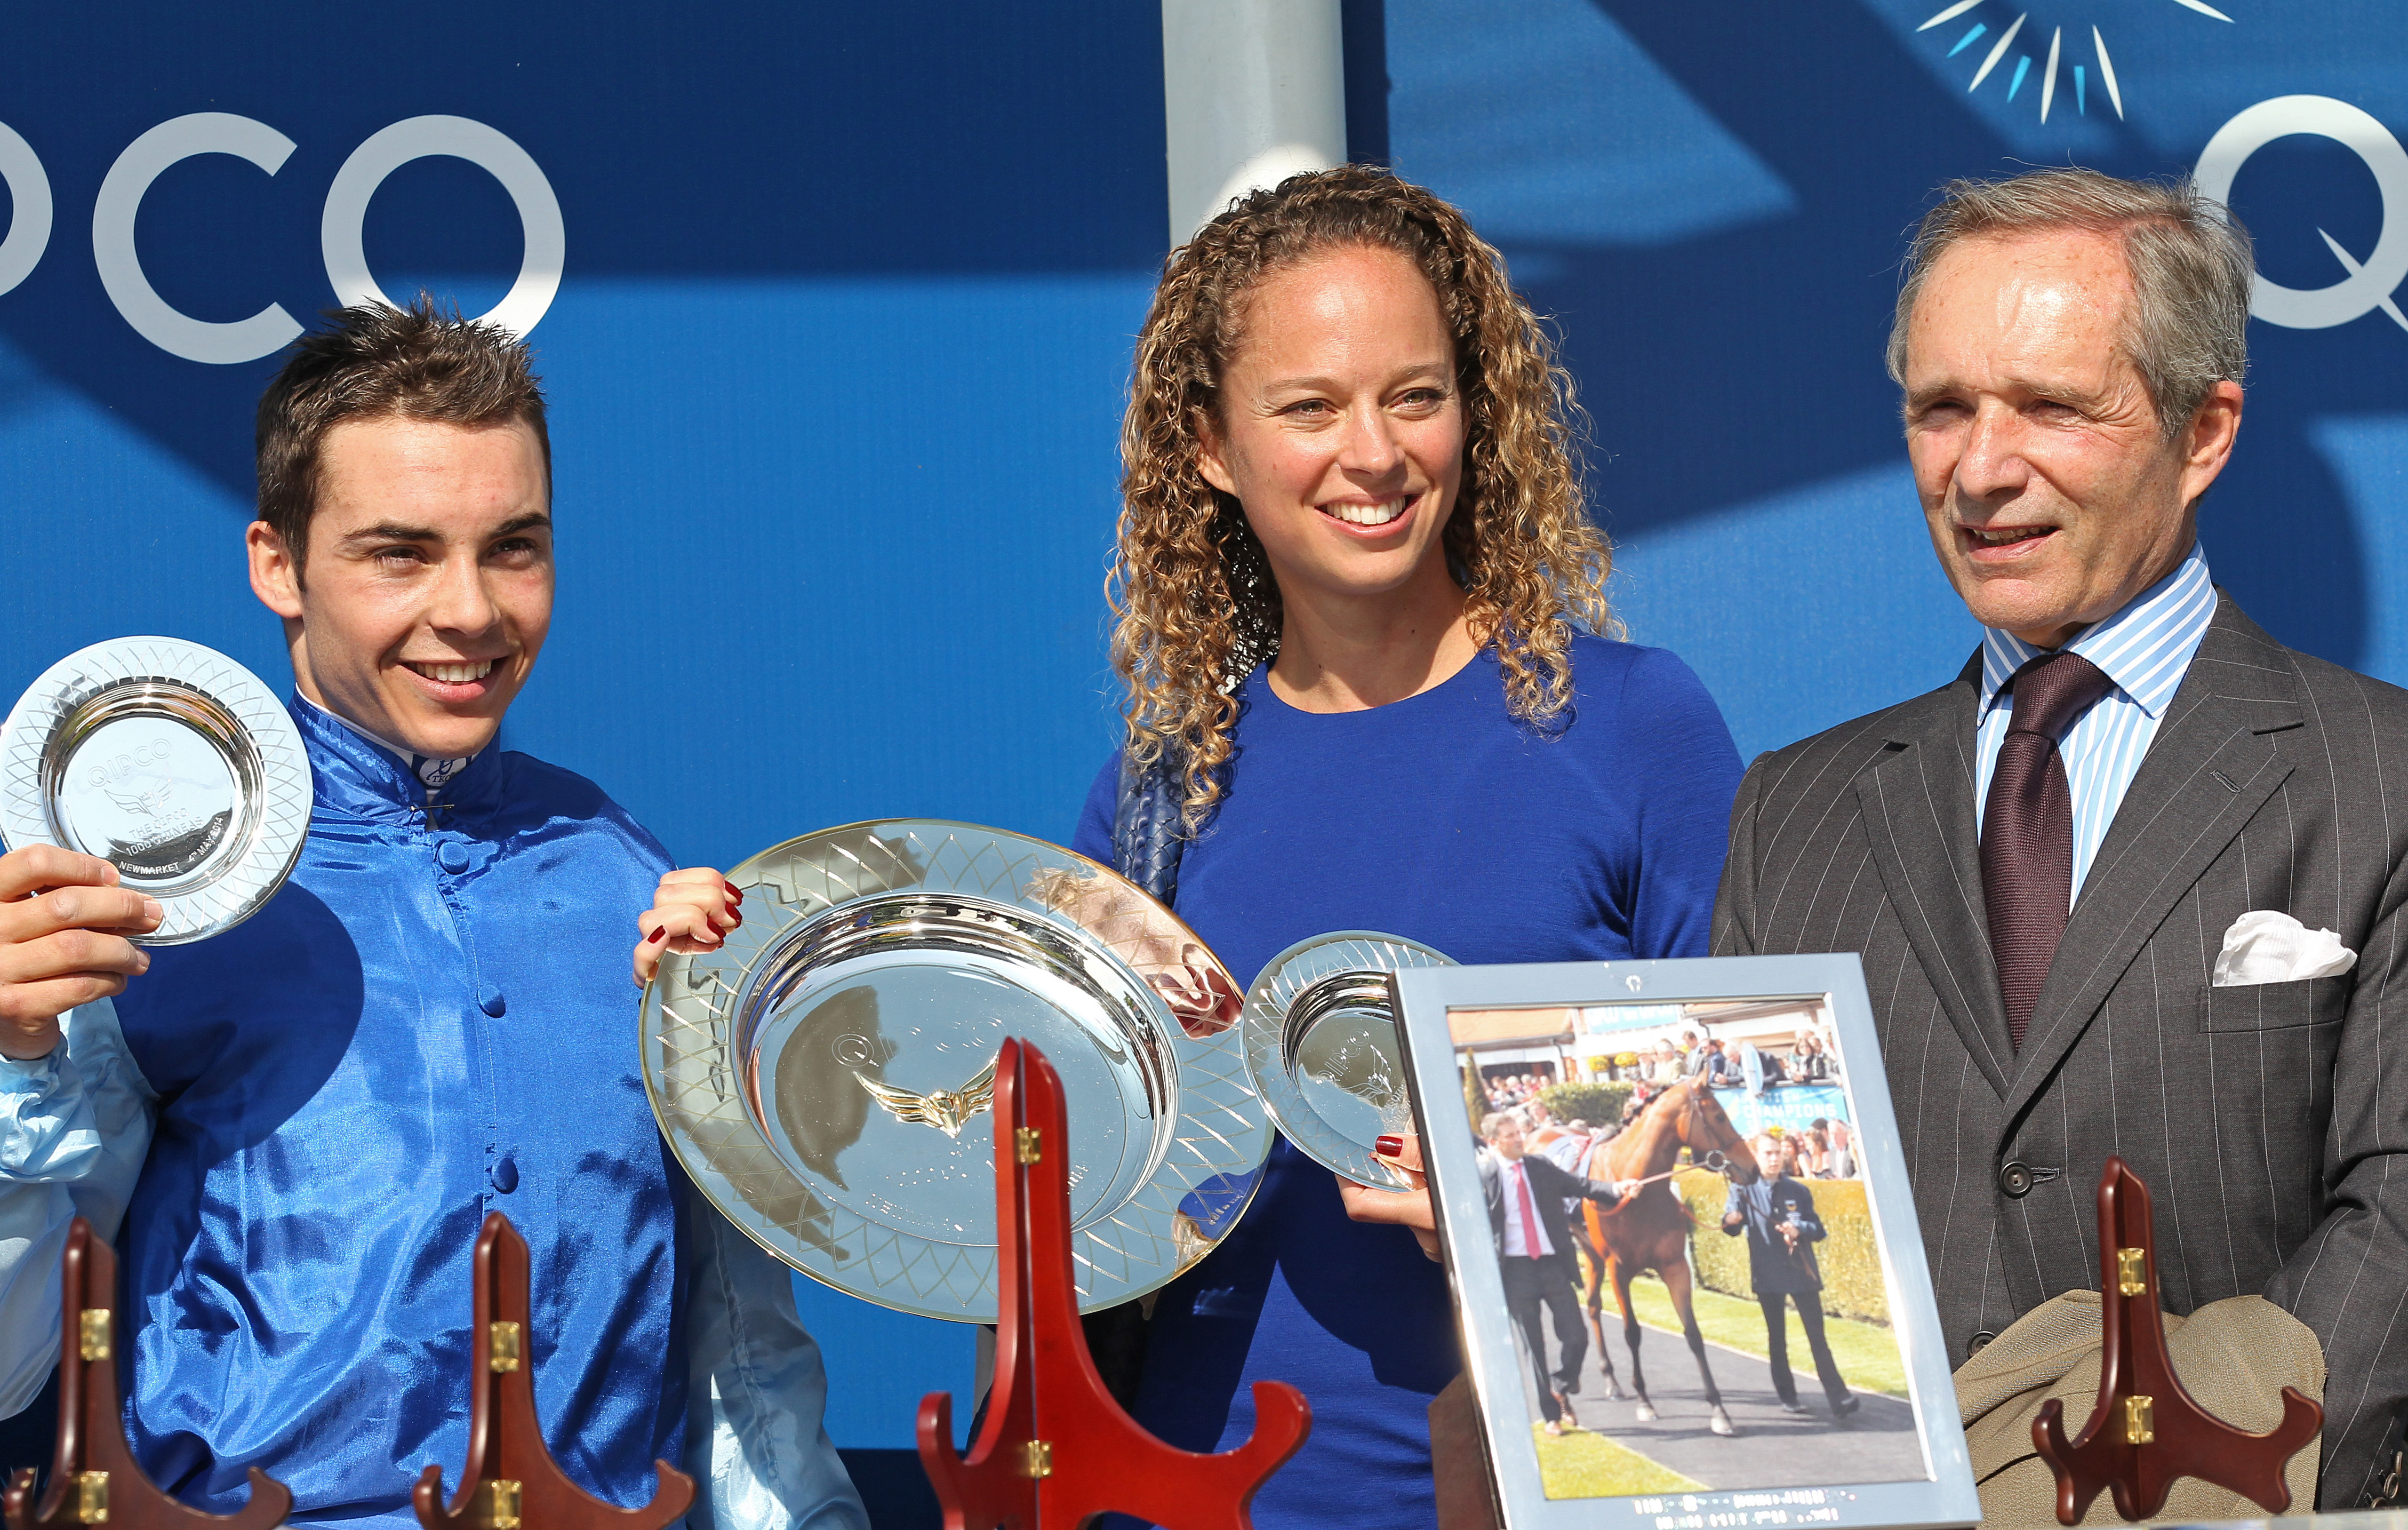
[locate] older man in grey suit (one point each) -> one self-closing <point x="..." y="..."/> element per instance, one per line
<point x="2044" y="861"/>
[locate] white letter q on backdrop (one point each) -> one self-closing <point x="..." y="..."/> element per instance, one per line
<point x="2366" y="286"/>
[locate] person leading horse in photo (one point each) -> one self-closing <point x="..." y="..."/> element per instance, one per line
<point x="1527" y="1199"/>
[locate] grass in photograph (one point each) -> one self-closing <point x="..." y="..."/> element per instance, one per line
<point x="1866" y="1354"/>
<point x="1580" y="1465"/>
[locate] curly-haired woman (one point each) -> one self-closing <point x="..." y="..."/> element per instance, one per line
<point x="1358" y="604"/>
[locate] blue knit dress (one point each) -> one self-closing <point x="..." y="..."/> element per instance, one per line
<point x="1439" y="817"/>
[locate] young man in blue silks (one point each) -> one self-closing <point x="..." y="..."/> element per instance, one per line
<point x="293" y="1130"/>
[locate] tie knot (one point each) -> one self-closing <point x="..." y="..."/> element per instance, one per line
<point x="2052" y="690"/>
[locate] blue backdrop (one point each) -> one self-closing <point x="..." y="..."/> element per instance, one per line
<point x="838" y="357"/>
<point x="1712" y="198"/>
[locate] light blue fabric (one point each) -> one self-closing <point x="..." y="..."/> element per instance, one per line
<point x="73" y="1128"/>
<point x="2147" y="649"/>
<point x="430" y="1022"/>
<point x="754" y="1445"/>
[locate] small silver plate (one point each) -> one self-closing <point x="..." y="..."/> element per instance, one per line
<point x="171" y="762"/>
<point x="1321" y="1046"/>
<point x="826" y="1076"/>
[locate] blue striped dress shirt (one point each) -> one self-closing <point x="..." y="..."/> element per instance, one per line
<point x="2145" y="648"/>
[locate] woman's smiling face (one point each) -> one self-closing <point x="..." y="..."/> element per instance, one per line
<point x="1341" y="430"/>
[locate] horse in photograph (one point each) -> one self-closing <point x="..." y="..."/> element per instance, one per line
<point x="1651" y="1230"/>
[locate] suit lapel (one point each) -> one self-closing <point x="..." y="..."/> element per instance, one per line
<point x="1918" y="811"/>
<point x="2210" y="768"/>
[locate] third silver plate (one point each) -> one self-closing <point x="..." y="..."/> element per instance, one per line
<point x="1321" y="1046"/>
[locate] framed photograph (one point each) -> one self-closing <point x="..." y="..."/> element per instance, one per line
<point x="1685" y="1253"/>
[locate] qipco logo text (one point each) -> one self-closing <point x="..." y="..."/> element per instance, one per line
<point x="339" y="235"/>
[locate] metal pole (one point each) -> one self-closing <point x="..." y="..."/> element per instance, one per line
<point x="1253" y="92"/>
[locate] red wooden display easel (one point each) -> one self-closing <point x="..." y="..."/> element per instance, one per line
<point x="2146" y="1430"/>
<point x="93" y="1478"/>
<point x="512" y="1478"/>
<point x="1055" y="1449"/>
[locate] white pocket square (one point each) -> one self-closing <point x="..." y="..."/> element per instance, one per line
<point x="2265" y="946"/>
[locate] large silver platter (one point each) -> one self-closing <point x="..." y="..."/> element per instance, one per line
<point x="826" y="1076"/>
<point x="168" y="761"/>
<point x="1321" y="1046"/>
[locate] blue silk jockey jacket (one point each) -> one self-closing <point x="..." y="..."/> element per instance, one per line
<point x="294" y="1130"/>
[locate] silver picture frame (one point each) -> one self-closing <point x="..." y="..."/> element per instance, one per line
<point x="1666" y="1460"/>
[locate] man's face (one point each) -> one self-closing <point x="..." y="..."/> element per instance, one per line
<point x="1508" y="1139"/>
<point x="1772" y="1156"/>
<point x="428" y="586"/>
<point x="2051" y="493"/>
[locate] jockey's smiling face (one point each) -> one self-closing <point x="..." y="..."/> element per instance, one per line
<point x="429" y="579"/>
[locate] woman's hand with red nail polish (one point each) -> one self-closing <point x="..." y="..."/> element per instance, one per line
<point x="1409" y="1208"/>
<point x="691" y="911"/>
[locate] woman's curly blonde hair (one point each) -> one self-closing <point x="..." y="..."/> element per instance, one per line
<point x="1196" y="604"/>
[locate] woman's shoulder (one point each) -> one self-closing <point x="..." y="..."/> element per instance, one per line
<point x="1627" y="693"/>
<point x="1612" y="668"/>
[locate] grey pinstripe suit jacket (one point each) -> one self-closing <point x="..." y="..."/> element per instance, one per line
<point x="2270" y="1123"/>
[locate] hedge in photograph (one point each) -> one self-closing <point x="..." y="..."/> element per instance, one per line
<point x="1849" y="1258"/>
<point x="1599" y="1105"/>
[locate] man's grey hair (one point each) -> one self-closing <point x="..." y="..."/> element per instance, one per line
<point x="2189" y="260"/>
<point x="1494" y="1123"/>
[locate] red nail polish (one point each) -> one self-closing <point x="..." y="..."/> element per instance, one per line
<point x="1388" y="1147"/>
<point x="653" y="938"/>
<point x="714" y="925"/>
<point x="734" y="891"/>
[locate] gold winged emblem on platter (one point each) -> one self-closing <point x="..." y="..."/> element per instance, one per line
<point x="948" y="1110"/>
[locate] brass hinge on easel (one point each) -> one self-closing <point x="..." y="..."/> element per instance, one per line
<point x="502" y="1346"/>
<point x="495" y="1504"/>
<point x="2132" y="1272"/>
<point x="91" y="1498"/>
<point x="2140" y="1420"/>
<point x="91" y="1334"/>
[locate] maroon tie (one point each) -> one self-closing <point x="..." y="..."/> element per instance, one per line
<point x="2027" y="827"/>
